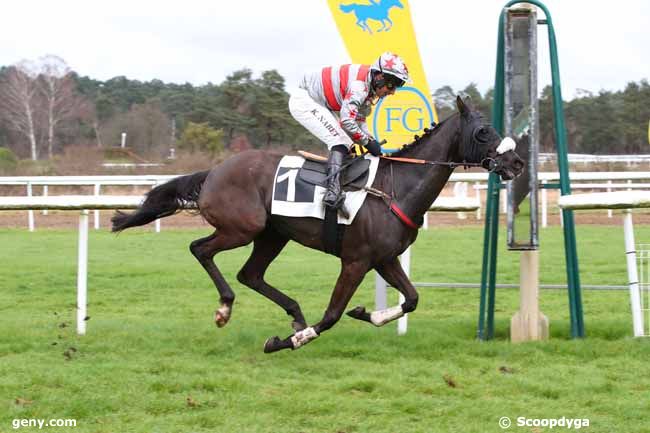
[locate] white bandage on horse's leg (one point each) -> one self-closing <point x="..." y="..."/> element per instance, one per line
<point x="303" y="337"/>
<point x="506" y="145"/>
<point x="381" y="317"/>
<point x="222" y="315"/>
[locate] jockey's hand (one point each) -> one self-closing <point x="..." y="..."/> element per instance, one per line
<point x="373" y="147"/>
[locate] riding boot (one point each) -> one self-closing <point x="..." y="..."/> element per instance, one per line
<point x="334" y="197"/>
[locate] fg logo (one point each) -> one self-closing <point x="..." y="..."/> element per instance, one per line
<point x="400" y="116"/>
<point x="411" y="118"/>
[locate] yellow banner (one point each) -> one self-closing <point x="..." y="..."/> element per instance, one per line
<point x="370" y="27"/>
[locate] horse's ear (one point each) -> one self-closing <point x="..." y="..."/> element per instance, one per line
<point x="462" y="107"/>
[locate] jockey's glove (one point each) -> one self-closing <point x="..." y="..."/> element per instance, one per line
<point x="373" y="147"/>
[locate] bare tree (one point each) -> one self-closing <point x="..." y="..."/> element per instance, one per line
<point x="18" y="97"/>
<point x="57" y="87"/>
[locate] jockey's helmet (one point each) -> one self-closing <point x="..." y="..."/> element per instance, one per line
<point x="393" y="68"/>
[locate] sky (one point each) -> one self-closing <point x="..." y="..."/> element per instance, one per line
<point x="602" y="45"/>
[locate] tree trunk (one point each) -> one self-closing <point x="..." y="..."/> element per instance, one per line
<point x="97" y="134"/>
<point x="31" y="134"/>
<point x="50" y="129"/>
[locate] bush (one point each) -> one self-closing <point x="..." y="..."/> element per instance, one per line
<point x="199" y="137"/>
<point x="8" y="161"/>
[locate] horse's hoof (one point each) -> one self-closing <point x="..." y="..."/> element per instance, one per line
<point x="297" y="326"/>
<point x="273" y="344"/>
<point x="221" y="317"/>
<point x="359" y="313"/>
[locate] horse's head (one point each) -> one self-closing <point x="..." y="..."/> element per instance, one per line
<point x="391" y="3"/>
<point x="480" y="143"/>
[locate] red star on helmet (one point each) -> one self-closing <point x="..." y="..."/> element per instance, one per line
<point x="390" y="63"/>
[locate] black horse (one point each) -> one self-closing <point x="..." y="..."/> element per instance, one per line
<point x="235" y="198"/>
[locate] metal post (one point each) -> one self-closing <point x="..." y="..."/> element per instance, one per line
<point x="632" y="275"/>
<point x="82" y="273"/>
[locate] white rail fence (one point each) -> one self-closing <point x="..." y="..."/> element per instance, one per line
<point x="605" y="181"/>
<point x="626" y="200"/>
<point x="83" y="203"/>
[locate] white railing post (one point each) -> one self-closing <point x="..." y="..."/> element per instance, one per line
<point x="30" y="213"/>
<point x="609" y="211"/>
<point x="632" y="274"/>
<point x="96" y="193"/>
<point x="44" y="195"/>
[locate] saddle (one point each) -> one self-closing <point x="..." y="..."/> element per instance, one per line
<point x="354" y="174"/>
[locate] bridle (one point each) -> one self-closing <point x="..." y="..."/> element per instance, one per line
<point x="488" y="163"/>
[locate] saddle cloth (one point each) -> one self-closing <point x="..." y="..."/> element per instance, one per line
<point x="298" y="188"/>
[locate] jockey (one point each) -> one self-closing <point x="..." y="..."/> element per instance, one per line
<point x="333" y="105"/>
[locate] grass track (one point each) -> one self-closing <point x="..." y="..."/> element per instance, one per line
<point x="151" y="344"/>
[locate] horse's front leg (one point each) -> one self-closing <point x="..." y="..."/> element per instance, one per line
<point x="393" y="273"/>
<point x="351" y="276"/>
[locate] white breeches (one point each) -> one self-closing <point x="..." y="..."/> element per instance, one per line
<point x="317" y="119"/>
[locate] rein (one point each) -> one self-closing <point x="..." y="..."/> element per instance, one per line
<point x="491" y="163"/>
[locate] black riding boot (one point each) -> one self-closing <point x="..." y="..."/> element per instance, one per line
<point x="334" y="197"/>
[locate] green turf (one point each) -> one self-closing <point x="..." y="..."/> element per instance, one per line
<point x="151" y="343"/>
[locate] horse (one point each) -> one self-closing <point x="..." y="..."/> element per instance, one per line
<point x="377" y="11"/>
<point x="235" y="198"/>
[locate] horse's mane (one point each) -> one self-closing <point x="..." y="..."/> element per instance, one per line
<point x="435" y="128"/>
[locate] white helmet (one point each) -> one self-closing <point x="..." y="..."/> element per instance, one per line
<point x="392" y="65"/>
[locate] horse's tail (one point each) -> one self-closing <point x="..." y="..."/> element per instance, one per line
<point x="162" y="201"/>
<point x="348" y="8"/>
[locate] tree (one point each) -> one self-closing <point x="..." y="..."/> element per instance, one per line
<point x="199" y="137"/>
<point x="148" y="126"/>
<point x="61" y="102"/>
<point x="445" y="100"/>
<point x="18" y="100"/>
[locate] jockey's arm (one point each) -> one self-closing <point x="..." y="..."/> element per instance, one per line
<point x="352" y="109"/>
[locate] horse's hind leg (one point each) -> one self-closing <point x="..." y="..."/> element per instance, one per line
<point x="351" y="276"/>
<point x="393" y="273"/>
<point x="266" y="248"/>
<point x="204" y="250"/>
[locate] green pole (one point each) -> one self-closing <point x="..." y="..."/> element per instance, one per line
<point x="488" y="275"/>
<point x="491" y="232"/>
